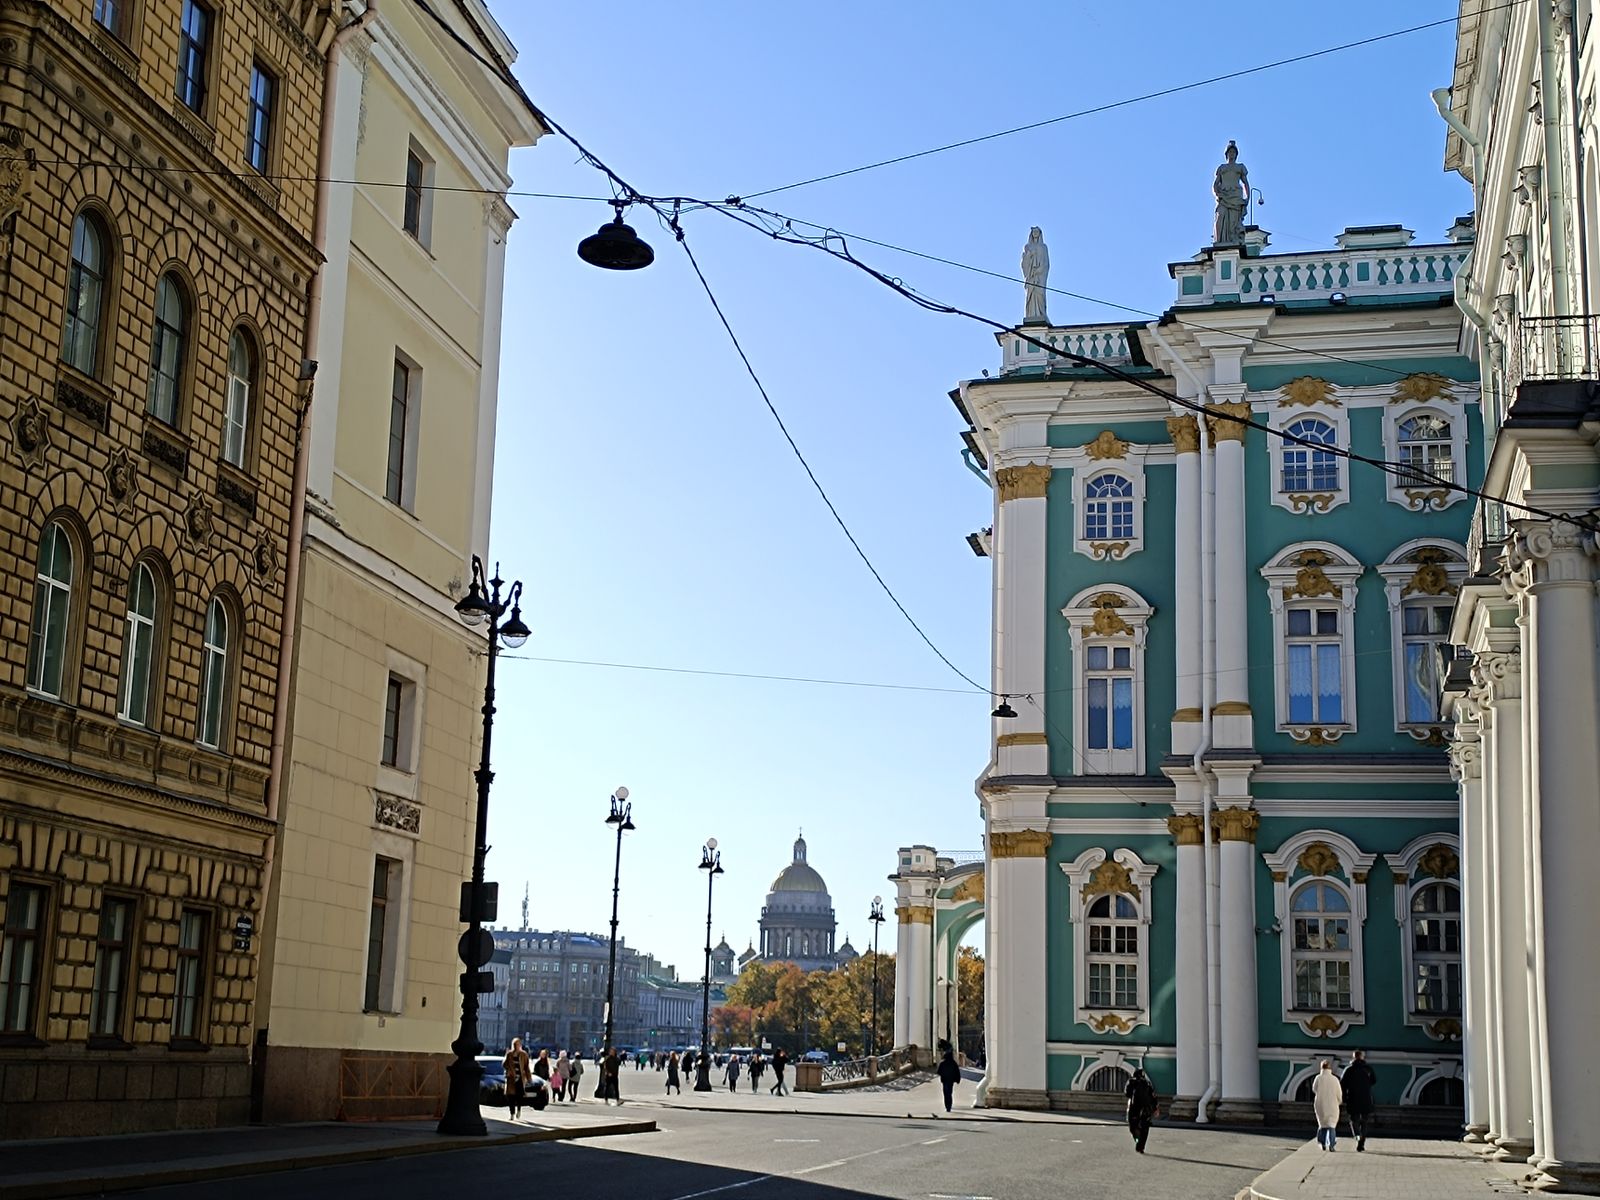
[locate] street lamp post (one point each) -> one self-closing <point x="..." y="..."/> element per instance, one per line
<point x="622" y="817"/>
<point x="877" y="919"/>
<point x="483" y="601"/>
<point x="711" y="864"/>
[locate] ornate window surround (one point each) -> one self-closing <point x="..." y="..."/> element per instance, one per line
<point x="1416" y="401"/>
<point x="1328" y="575"/>
<point x="1106" y="453"/>
<point x="1431" y="858"/>
<point x="1112" y="615"/>
<point x="1296" y="406"/>
<point x="1409" y="573"/>
<point x="1334" y="858"/>
<point x="1092" y="874"/>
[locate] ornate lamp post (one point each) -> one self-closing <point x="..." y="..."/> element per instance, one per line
<point x="622" y="817"/>
<point x="483" y="601"/>
<point x="877" y="919"/>
<point x="711" y="864"/>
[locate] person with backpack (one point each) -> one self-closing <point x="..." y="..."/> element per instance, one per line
<point x="1141" y="1096"/>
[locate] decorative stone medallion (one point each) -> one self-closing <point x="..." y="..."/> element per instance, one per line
<point x="121" y="481"/>
<point x="30" y="432"/>
<point x="199" y="523"/>
<point x="264" y="559"/>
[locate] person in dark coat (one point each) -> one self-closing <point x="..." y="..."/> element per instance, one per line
<point x="672" y="1074"/>
<point x="610" y="1068"/>
<point x="1141" y="1107"/>
<point x="949" y="1075"/>
<point x="780" y="1060"/>
<point x="1358" y="1081"/>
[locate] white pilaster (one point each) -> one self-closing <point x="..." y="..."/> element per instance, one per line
<point x="498" y="218"/>
<point x="1241" y="1071"/>
<point x="1015" y="901"/>
<point x="1021" y="745"/>
<point x="1191" y="938"/>
<point x="1186" y="721"/>
<point x="918" y="924"/>
<point x="1466" y="764"/>
<point x="1232" y="725"/>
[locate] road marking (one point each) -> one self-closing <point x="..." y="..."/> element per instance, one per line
<point x="727" y="1187"/>
<point x="792" y="1141"/>
<point x="934" y="1142"/>
<point x="842" y="1161"/>
<point x="946" y="1196"/>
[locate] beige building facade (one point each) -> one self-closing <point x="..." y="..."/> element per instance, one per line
<point x="155" y="254"/>
<point x="362" y="991"/>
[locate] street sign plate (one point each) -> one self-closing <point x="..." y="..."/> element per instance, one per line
<point x="476" y="953"/>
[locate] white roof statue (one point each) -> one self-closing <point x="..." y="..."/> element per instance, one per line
<point x="1232" y="190"/>
<point x="1035" y="270"/>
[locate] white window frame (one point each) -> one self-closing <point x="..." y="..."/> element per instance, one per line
<point x="1417" y="495"/>
<point x="1299" y="576"/>
<point x="403" y="778"/>
<point x="1350" y="875"/>
<point x="138" y="627"/>
<point x="236" y="415"/>
<point x="50" y="595"/>
<point x="1090" y="621"/>
<point x="1080" y="873"/>
<point x="1310" y="501"/>
<point x="1106" y="454"/>
<point x="1415" y="866"/>
<point x="215" y="659"/>
<point x="1408" y="581"/>
<point x="397" y="927"/>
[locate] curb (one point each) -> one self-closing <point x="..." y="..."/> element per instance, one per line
<point x="235" y="1166"/>
<point x="974" y="1114"/>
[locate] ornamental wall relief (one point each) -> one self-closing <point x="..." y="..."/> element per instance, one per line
<point x="30" y="432"/>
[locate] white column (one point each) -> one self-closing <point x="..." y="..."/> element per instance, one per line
<point x="1015" y="900"/>
<point x="1186" y="721"/>
<point x="1191" y="937"/>
<point x="1488" y="837"/>
<point x="918" y="923"/>
<point x="1231" y="726"/>
<point x="1241" y="1069"/>
<point x="1555" y="568"/>
<point x="1496" y="675"/>
<point x="1021" y="745"/>
<point x="902" y="980"/>
<point x="1466" y="764"/>
<point x="497" y="219"/>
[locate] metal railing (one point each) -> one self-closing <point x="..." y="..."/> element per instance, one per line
<point x="845" y="1071"/>
<point x="1486" y="537"/>
<point x="852" y="1070"/>
<point x="1554" y="348"/>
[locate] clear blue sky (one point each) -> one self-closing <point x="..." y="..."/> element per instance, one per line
<point x="647" y="500"/>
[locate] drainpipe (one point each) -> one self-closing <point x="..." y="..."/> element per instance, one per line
<point x="1441" y="101"/>
<point x="1556" y="181"/>
<point x="1580" y="201"/>
<point x="1208" y="697"/>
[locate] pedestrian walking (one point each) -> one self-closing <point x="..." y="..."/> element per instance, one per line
<point x="1326" y="1096"/>
<point x="610" y="1069"/>
<point x="757" y="1065"/>
<point x="688" y="1061"/>
<point x="732" y="1074"/>
<point x="780" y="1060"/>
<point x="541" y="1066"/>
<point x="949" y="1075"/>
<point x="561" y="1072"/>
<point x="517" y="1076"/>
<point x="1357" y="1083"/>
<point x="672" y="1074"/>
<point x="574" y="1073"/>
<point x="1141" y="1096"/>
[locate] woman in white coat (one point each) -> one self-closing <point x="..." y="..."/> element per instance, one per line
<point x="1326" y="1095"/>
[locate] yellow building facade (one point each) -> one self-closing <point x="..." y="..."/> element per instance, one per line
<point x="361" y="995"/>
<point x="155" y="253"/>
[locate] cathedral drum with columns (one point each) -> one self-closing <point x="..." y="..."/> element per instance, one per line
<point x="1221" y="828"/>
<point x="797" y="921"/>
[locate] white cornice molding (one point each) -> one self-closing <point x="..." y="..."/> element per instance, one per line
<point x="400" y="583"/>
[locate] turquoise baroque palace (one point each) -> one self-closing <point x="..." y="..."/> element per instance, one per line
<point x="1221" y="827"/>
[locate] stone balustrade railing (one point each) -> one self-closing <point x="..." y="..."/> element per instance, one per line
<point x="1103" y="343"/>
<point x="1225" y="276"/>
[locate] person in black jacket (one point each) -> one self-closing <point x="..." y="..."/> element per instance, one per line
<point x="949" y="1075"/>
<point x="1141" y="1107"/>
<point x="1358" y="1081"/>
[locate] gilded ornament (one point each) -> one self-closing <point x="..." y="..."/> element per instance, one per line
<point x="1324" y="1025"/>
<point x="1185" y="829"/>
<point x="1019" y="843"/>
<point x="1107" y="621"/>
<point x="1420" y="500"/>
<point x="971" y="889"/>
<point x="1226" y="421"/>
<point x="1316" y="735"/>
<point x="913" y="915"/>
<point x="1310" y="580"/>
<point x="1031" y="738"/>
<point x="1235" y="824"/>
<point x="1318" y="859"/>
<point x="1430" y="577"/>
<point x="1305" y="502"/>
<point x="1027" y="482"/>
<point x="1185" y="434"/>
<point x="1422" y="387"/>
<point x="1110" y="550"/>
<point x="1445" y="1029"/>
<point x="1401" y="877"/>
<point x="1440" y="861"/>
<point x="1307" y="390"/>
<point x="30" y="432"/>
<point x="1230" y="708"/>
<point x="1106" y="445"/>
<point x="1109" y="1022"/>
<point x="1280" y="876"/>
<point x="1109" y="878"/>
<point x="1188" y="715"/>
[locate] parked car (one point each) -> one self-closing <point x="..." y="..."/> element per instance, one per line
<point x="492" y="1087"/>
<point x="816" y="1056"/>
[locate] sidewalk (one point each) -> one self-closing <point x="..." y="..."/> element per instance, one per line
<point x="1390" y="1169"/>
<point x="43" y="1170"/>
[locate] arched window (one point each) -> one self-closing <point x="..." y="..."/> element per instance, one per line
<point x="1108" y="508"/>
<point x="168" y="335"/>
<point x="214" y="688"/>
<point x="1113" y="953"/>
<point x="1307" y="468"/>
<point x="1436" y="949"/>
<point x="52" y="609"/>
<point x="1314" y="656"/>
<point x="138" y="646"/>
<point x="1321" y="947"/>
<point x="86" y="285"/>
<point x="242" y="360"/>
<point x="1108" y="1080"/>
<point x="1440" y="1092"/>
<point x="1304" y="1094"/>
<point x="1426" y="448"/>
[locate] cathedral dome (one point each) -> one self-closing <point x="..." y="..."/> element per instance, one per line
<point x="799" y="876"/>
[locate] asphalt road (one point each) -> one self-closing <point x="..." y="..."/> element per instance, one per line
<point x="773" y="1156"/>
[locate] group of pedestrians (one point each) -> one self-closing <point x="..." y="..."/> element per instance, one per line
<point x="559" y="1077"/>
<point x="733" y="1067"/>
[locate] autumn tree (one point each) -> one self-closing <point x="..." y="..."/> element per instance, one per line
<point x="969" y="1001"/>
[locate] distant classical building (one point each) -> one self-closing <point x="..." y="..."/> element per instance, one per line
<point x="797" y="922"/>
<point x="553" y="991"/>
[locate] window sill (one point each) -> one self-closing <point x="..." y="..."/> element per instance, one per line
<point x="115" y="46"/>
<point x="236" y="487"/>
<point x="84" y="397"/>
<point x="165" y="445"/>
<point x="1316" y="735"/>
<point x="264" y="189"/>
<point x="188" y="1046"/>
<point x="194" y="124"/>
<point x="22" y="1041"/>
<point x="108" y="1042"/>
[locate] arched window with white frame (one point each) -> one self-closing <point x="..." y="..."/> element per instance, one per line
<point x="1425" y="435"/>
<point x="1320" y="910"/>
<point x="242" y="375"/>
<point x="138" y="646"/>
<point x="1426" y="449"/>
<point x="1427" y="901"/>
<point x="1108" y="508"/>
<point x="88" y="274"/>
<point x="1421" y="579"/>
<point x="50" y="634"/>
<point x="214" y="685"/>
<point x="1309" y="465"/>
<point x="1113" y="954"/>
<point x="1312" y="588"/>
<point x="1107" y="627"/>
<point x="1110" y="914"/>
<point x="169" y="336"/>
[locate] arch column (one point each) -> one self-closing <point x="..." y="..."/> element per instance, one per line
<point x="916" y="922"/>
<point x="1015" y="907"/>
<point x="1241" y="1070"/>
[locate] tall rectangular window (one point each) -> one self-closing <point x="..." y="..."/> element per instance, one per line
<point x="1108" y="679"/>
<point x="1425" y="641"/>
<point x="379" y="951"/>
<point x="189" y="1000"/>
<point x="1314" y="651"/>
<point x="194" y="52"/>
<point x="394" y="487"/>
<point x="393" y="701"/>
<point x="263" y="105"/>
<point x="21" y="957"/>
<point x="111" y="960"/>
<point x="417" y="219"/>
<point x="112" y="16"/>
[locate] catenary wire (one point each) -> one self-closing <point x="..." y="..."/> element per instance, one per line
<point x="1111" y="106"/>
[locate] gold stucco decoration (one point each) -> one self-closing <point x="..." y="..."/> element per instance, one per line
<point x="1318" y="859"/>
<point x="1310" y="580"/>
<point x="1306" y="502"/>
<point x="1430" y="577"/>
<point x="1027" y="482"/>
<point x="1315" y="735"/>
<point x="1188" y="715"/>
<point x="1019" y="843"/>
<point x="1231" y="708"/>
<point x="1440" y="861"/>
<point x="1107" y="621"/>
<point x="1225" y="421"/>
<point x="1422" y="500"/>
<point x="1033" y="738"/>
<point x="1108" y="550"/>
<point x="1324" y="1025"/>
<point x="1109" y="1023"/>
<point x="1185" y="434"/>
<point x="1235" y="824"/>
<point x="1106" y="445"/>
<point x="1445" y="1029"/>
<point x="908" y="915"/>
<point x="1307" y="390"/>
<point x="1420" y="388"/>
<point x="1185" y="829"/>
<point x="970" y="889"/>
<point x="1109" y="878"/>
